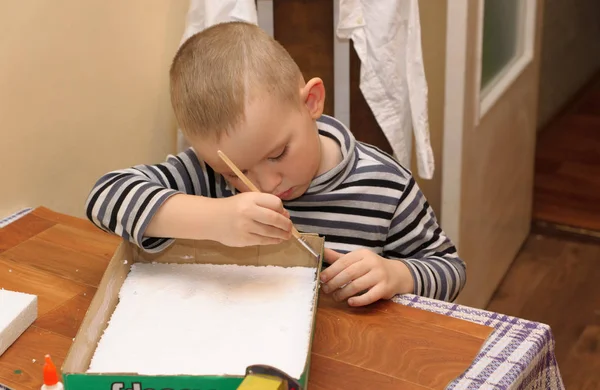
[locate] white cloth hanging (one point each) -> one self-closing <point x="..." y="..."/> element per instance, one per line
<point x="205" y="13"/>
<point x="387" y="38"/>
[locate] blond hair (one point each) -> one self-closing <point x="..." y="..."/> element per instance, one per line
<point x="219" y="70"/>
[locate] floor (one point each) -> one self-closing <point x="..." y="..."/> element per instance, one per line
<point x="556" y="277"/>
<point x="567" y="180"/>
<point x="555" y="280"/>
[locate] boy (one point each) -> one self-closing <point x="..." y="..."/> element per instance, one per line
<point x="235" y="89"/>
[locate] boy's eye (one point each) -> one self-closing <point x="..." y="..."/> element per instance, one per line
<point x="281" y="155"/>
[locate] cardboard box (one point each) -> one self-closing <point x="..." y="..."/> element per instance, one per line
<point x="75" y="377"/>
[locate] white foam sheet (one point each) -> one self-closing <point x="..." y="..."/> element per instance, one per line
<point x="17" y="312"/>
<point x="202" y="319"/>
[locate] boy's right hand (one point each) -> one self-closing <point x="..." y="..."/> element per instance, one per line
<point x="253" y="218"/>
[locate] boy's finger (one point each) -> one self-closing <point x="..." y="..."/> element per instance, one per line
<point x="338" y="266"/>
<point x="373" y="295"/>
<point x="271" y="231"/>
<point x="353" y="287"/>
<point x="270" y="201"/>
<point x="270" y="218"/>
<point x="350" y="275"/>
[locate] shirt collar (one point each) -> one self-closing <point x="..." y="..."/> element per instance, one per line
<point x="334" y="129"/>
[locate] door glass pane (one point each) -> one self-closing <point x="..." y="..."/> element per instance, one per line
<point x="502" y="27"/>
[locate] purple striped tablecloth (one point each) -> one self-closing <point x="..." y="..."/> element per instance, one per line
<point x="4" y="221"/>
<point x="519" y="354"/>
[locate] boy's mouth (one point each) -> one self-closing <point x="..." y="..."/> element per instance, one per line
<point x="286" y="194"/>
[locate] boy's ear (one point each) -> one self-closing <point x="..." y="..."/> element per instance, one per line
<point x="313" y="96"/>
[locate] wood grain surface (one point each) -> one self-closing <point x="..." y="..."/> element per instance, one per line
<point x="61" y="259"/>
<point x="567" y="174"/>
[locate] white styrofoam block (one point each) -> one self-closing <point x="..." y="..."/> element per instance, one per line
<point x="17" y="312"/>
<point x="203" y="319"/>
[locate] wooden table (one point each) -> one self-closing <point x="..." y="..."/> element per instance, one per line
<point x="61" y="259"/>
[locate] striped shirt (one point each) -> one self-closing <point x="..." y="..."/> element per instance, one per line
<point x="367" y="201"/>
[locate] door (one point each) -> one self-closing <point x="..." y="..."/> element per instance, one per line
<point x="492" y="68"/>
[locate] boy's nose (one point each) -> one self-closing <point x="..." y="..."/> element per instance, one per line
<point x="268" y="182"/>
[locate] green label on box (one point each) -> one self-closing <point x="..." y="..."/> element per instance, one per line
<point x="166" y="382"/>
<point x="135" y="382"/>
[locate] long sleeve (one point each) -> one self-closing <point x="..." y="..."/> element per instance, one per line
<point x="416" y="238"/>
<point x="124" y="201"/>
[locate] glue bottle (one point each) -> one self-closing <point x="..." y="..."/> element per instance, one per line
<point x="50" y="376"/>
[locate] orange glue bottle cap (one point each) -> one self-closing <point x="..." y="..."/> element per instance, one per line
<point x="50" y="375"/>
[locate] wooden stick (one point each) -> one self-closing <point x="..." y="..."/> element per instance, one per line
<point x="237" y="172"/>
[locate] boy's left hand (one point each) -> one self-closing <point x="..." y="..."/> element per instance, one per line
<point x="361" y="270"/>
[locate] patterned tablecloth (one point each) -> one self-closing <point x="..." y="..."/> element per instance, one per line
<point x="519" y="354"/>
<point x="13" y="217"/>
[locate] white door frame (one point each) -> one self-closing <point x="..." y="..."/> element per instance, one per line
<point x="454" y="105"/>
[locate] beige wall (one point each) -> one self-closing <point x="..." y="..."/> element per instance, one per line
<point x="570" y="52"/>
<point x="433" y="40"/>
<point x="83" y="90"/>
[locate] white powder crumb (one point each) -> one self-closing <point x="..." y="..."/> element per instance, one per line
<point x="125" y="261"/>
<point x="240" y="314"/>
<point x="84" y="294"/>
<point x="33" y="360"/>
<point x="10" y="270"/>
<point x="73" y="338"/>
<point x="76" y="270"/>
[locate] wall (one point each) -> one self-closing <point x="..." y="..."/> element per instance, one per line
<point x="83" y="90"/>
<point x="570" y="52"/>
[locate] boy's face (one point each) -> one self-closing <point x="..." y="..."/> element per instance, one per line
<point x="277" y="147"/>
